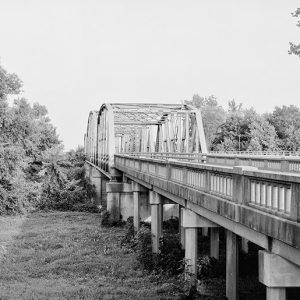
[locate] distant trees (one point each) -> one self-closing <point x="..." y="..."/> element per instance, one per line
<point x="295" y="48"/>
<point x="213" y="114"/>
<point x="245" y="130"/>
<point x="239" y="129"/>
<point x="286" y="121"/>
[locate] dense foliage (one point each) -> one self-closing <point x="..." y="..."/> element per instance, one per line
<point x="169" y="260"/>
<point x="239" y="129"/>
<point x="34" y="170"/>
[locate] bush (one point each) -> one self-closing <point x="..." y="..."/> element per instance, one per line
<point x="107" y="221"/>
<point x="171" y="225"/>
<point x="209" y="267"/>
<point x="143" y="247"/>
<point x="128" y="238"/>
<point x="170" y="257"/>
<point x="64" y="185"/>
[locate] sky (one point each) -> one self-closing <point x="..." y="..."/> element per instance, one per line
<point x="74" y="55"/>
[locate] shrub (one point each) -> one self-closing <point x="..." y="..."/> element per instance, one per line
<point x="128" y="238"/>
<point x="171" y="225"/>
<point x="107" y="221"/>
<point x="143" y="247"/>
<point x="170" y="257"/>
<point x="64" y="185"/>
<point x="209" y="267"/>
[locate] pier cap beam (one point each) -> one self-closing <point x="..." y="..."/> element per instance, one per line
<point x="275" y="271"/>
<point x="192" y="220"/>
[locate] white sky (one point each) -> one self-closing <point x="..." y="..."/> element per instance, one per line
<point x="73" y="55"/>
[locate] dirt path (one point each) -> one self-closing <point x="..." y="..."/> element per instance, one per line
<point x="69" y="256"/>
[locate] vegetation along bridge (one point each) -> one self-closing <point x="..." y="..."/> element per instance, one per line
<point x="144" y="157"/>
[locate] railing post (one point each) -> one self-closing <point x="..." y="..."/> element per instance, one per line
<point x="184" y="177"/>
<point x="284" y="164"/>
<point x="207" y="181"/>
<point x="241" y="185"/>
<point x="168" y="171"/>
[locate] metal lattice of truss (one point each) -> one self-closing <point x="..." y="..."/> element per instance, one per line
<point x="142" y="128"/>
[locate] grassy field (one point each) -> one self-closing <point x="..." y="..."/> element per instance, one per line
<point x="68" y="255"/>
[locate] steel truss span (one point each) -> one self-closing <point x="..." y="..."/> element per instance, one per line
<point x="142" y="128"/>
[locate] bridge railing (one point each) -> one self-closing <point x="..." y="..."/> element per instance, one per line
<point x="271" y="163"/>
<point x="264" y="162"/>
<point x="270" y="192"/>
<point x="260" y="153"/>
<point x="198" y="157"/>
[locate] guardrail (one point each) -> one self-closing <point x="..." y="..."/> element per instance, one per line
<point x="276" y="164"/>
<point x="196" y="157"/>
<point x="261" y="153"/>
<point x="264" y="162"/>
<point x="276" y="194"/>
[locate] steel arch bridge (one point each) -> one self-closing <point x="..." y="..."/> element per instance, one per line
<point x="142" y="128"/>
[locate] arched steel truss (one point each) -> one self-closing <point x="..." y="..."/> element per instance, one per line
<point x="142" y="128"/>
<point x="90" y="138"/>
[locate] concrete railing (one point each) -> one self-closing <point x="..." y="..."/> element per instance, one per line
<point x="271" y="163"/>
<point x="266" y="161"/>
<point x="260" y="153"/>
<point x="198" y="157"/>
<point x="271" y="192"/>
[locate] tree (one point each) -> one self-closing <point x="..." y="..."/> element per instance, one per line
<point x="234" y="107"/>
<point x="286" y="121"/>
<point x="213" y="115"/>
<point x="246" y="130"/>
<point x="295" y="48"/>
<point x="25" y="133"/>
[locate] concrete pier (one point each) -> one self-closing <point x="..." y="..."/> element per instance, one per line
<point x="191" y="222"/>
<point x="156" y="203"/>
<point x="214" y="242"/>
<point x="96" y="180"/>
<point x="277" y="273"/>
<point x="231" y="266"/>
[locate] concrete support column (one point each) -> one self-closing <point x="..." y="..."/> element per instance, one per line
<point x="156" y="219"/>
<point x="214" y="242"/>
<point x="136" y="190"/>
<point x="96" y="180"/>
<point x="191" y="250"/>
<point x="191" y="222"/>
<point x="181" y="228"/>
<point x="275" y="293"/>
<point x="136" y="210"/>
<point x="119" y="200"/>
<point x="231" y="266"/>
<point x="277" y="274"/>
<point x="114" y="190"/>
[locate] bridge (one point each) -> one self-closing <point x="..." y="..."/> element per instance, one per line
<point x="143" y="158"/>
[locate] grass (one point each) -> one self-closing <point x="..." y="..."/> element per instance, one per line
<point x="68" y="255"/>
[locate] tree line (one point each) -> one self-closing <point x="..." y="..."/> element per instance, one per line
<point x="240" y="129"/>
